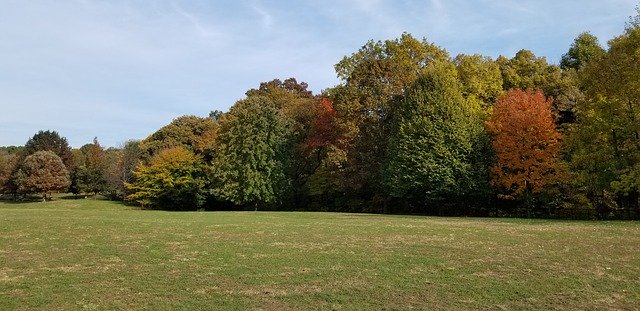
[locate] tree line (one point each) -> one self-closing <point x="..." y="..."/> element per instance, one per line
<point x="409" y="129"/>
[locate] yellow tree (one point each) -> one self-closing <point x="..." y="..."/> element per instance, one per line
<point x="174" y="179"/>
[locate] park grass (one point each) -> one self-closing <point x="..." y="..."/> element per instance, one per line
<point x="97" y="255"/>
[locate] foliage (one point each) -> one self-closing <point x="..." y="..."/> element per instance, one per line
<point x="480" y="78"/>
<point x="8" y="166"/>
<point x="121" y="164"/>
<point x="605" y="143"/>
<point x="373" y="79"/>
<point x="42" y="172"/>
<point x="174" y="179"/>
<point x="431" y="140"/>
<point x="278" y="90"/>
<point x="405" y="127"/>
<point x="50" y="141"/>
<point x="524" y="71"/>
<point x="525" y="143"/>
<point x="90" y="171"/>
<point x="585" y="48"/>
<point x="249" y="164"/>
<point x="194" y="133"/>
<point x="11" y="149"/>
<point x="528" y="72"/>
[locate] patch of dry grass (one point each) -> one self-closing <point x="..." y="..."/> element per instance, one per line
<point x="87" y="254"/>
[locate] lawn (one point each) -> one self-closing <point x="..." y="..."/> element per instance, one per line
<point x="96" y="255"/>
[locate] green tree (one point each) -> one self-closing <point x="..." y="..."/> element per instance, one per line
<point x="429" y="154"/>
<point x="525" y="71"/>
<point x="480" y="78"/>
<point x="311" y="134"/>
<point x="373" y="79"/>
<point x="174" y="179"/>
<point x="50" y="141"/>
<point x="584" y="49"/>
<point x="248" y="167"/>
<point x="605" y="143"/>
<point x="42" y="172"/>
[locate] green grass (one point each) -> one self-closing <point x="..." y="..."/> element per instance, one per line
<point x="86" y="254"/>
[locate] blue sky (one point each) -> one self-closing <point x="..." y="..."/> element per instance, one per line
<point x="120" y="69"/>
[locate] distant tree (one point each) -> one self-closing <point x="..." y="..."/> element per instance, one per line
<point x="480" y="78"/>
<point x="276" y="90"/>
<point x="215" y="115"/>
<point x="429" y="154"/>
<point x="194" y="133"/>
<point x="8" y="166"/>
<point x="121" y="164"/>
<point x="90" y="174"/>
<point x="50" y="141"/>
<point x="605" y="142"/>
<point x="524" y="71"/>
<point x="42" y="172"/>
<point x="249" y="164"/>
<point x="12" y="149"/>
<point x="113" y="159"/>
<point x="525" y="142"/>
<point x="174" y="179"/>
<point x="584" y="49"/>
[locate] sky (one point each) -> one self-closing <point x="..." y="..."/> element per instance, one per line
<point x="121" y="69"/>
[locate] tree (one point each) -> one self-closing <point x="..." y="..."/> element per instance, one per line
<point x="91" y="169"/>
<point x="50" y="141"/>
<point x="480" y="78"/>
<point x="524" y="71"/>
<point x="432" y="138"/>
<point x="174" y="179"/>
<point x="8" y="166"/>
<point x="527" y="71"/>
<point x="525" y="143"/>
<point x="584" y="49"/>
<point x="249" y="164"/>
<point x="121" y="164"/>
<point x="605" y="143"/>
<point x="42" y="172"/>
<point x="373" y="79"/>
<point x="278" y="91"/>
<point x="194" y="133"/>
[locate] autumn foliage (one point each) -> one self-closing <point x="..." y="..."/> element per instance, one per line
<point x="525" y="142"/>
<point x="323" y="132"/>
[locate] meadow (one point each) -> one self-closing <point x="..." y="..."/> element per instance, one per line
<point x="97" y="255"/>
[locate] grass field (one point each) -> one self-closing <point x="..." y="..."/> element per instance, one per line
<point x="96" y="255"/>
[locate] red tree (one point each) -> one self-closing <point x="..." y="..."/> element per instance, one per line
<point x="525" y="142"/>
<point x="322" y="130"/>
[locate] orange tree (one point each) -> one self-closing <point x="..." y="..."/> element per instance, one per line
<point x="525" y="142"/>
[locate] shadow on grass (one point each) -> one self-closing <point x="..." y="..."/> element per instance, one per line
<point x="29" y="198"/>
<point x="19" y="199"/>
